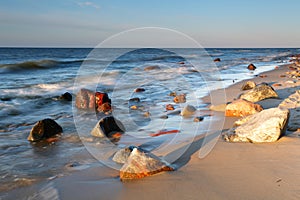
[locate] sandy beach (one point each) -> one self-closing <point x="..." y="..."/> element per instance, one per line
<point x="229" y="171"/>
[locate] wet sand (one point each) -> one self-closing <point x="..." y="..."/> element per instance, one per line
<point x="229" y="171"/>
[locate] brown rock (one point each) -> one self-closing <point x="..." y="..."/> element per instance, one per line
<point x="217" y="60"/>
<point x="241" y="107"/>
<point x="170" y="107"/>
<point x="251" y="67"/>
<point x="139" y="90"/>
<point x="181" y="62"/>
<point x="87" y="99"/>
<point x="198" y="119"/>
<point x="44" y="129"/>
<point x="154" y="67"/>
<point x="101" y="98"/>
<point x="180" y="98"/>
<point x="106" y="107"/>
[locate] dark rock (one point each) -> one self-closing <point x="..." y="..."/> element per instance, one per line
<point x="139" y="90"/>
<point x="44" y="129"/>
<point x="66" y="96"/>
<point x="105" y="107"/>
<point x="251" y="67"/>
<point x="136" y="99"/>
<point x="5" y="99"/>
<point x="217" y="60"/>
<point x="101" y="98"/>
<point x="181" y="62"/>
<point x="198" y="119"/>
<point x="109" y="127"/>
<point x="164" y="117"/>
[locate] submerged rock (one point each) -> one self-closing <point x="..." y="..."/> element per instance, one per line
<point x="140" y="164"/>
<point x="180" y="98"/>
<point x="188" y="110"/>
<point x="66" y="96"/>
<point x="260" y="92"/>
<point x="139" y="90"/>
<point x="251" y="67"/>
<point x="248" y="85"/>
<point x="109" y="127"/>
<point x="44" y="129"/>
<point x="241" y="107"/>
<point x="217" y="60"/>
<point x="265" y="126"/>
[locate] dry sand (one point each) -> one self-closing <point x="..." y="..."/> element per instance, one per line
<point x="230" y="171"/>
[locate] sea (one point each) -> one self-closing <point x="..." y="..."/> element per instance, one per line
<point x="32" y="79"/>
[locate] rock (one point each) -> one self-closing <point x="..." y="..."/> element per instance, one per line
<point x="154" y="67"/>
<point x="219" y="108"/>
<point x="44" y="129"/>
<point x="277" y="85"/>
<point x="248" y="85"/>
<point x="241" y="107"/>
<point x="260" y="92"/>
<point x="66" y="96"/>
<point x="188" y="110"/>
<point x="217" y="60"/>
<point x="87" y="99"/>
<point x="140" y="164"/>
<point x="109" y="127"/>
<point x="139" y="90"/>
<point x="101" y="98"/>
<point x="147" y="114"/>
<point x="136" y="99"/>
<point x="170" y="107"/>
<point x="134" y="107"/>
<point x="122" y="155"/>
<point x="172" y="94"/>
<point x="198" y="119"/>
<point x="263" y="76"/>
<point x="251" y="67"/>
<point x="265" y="126"/>
<point x="105" y="107"/>
<point x="282" y="76"/>
<point x="181" y="62"/>
<point x="180" y="98"/>
<point x="164" y="117"/>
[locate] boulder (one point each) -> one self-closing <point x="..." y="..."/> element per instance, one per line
<point x="109" y="127"/>
<point x="248" y="85"/>
<point x="260" y="92"/>
<point x="66" y="96"/>
<point x="265" y="126"/>
<point x="180" y="98"/>
<point x="122" y="155"/>
<point x="140" y="164"/>
<point x="87" y="99"/>
<point x="251" y="67"/>
<point x="188" y="110"/>
<point x="241" y="107"/>
<point x="44" y="129"/>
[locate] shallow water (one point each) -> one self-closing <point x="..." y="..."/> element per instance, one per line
<point x="32" y="79"/>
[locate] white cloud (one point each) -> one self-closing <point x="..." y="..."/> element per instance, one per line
<point x="88" y="3"/>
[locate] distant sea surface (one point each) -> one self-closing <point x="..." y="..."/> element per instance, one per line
<point x="31" y="79"/>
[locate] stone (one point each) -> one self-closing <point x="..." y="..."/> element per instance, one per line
<point x="105" y="107"/>
<point x="136" y="99"/>
<point x="198" y="119"/>
<point x="188" y="110"/>
<point x="139" y="90"/>
<point x="44" y="129"/>
<point x="181" y="62"/>
<point x="147" y="114"/>
<point x="266" y="126"/>
<point x="133" y="107"/>
<point x="66" y="96"/>
<point x="241" y="108"/>
<point x="260" y="92"/>
<point x="172" y="94"/>
<point x="140" y="164"/>
<point x="122" y="155"/>
<point x="251" y="67"/>
<point x="170" y="107"/>
<point x="180" y="98"/>
<point x="217" y="60"/>
<point x="219" y="108"/>
<point x="248" y="85"/>
<point x="87" y="99"/>
<point x="109" y="127"/>
<point x="154" y="67"/>
<point x="164" y="117"/>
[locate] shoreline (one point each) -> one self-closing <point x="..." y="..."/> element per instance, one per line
<point x="229" y="171"/>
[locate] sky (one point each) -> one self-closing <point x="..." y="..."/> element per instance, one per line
<point x="86" y="23"/>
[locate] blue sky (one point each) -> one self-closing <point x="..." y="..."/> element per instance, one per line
<point x="85" y="23"/>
